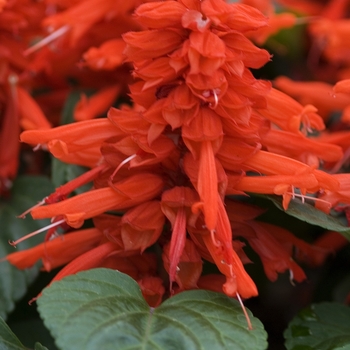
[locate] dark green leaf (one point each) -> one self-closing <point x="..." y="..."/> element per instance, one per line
<point x="28" y="326"/>
<point x="341" y="289"/>
<point x="38" y="346"/>
<point x="26" y="192"/>
<point x="311" y="215"/>
<point x="104" y="309"/>
<point x="323" y="326"/>
<point x="8" y="341"/>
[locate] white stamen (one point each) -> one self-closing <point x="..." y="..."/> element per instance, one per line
<point x="216" y="100"/>
<point x="127" y="160"/>
<point x="23" y="215"/>
<point x="303" y="197"/>
<point x="291" y="277"/>
<point x="213" y="238"/>
<point x="53" y="36"/>
<point x="250" y="327"/>
<point x="14" y="243"/>
<point x="37" y="147"/>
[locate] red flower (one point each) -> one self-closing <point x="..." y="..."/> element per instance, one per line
<point x="142" y="226"/>
<point x="130" y="192"/>
<point x="201" y="127"/>
<point x="58" y="251"/>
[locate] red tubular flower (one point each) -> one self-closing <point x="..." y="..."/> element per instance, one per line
<point x="160" y="14"/>
<point x="77" y="143"/>
<point x="9" y="133"/>
<point x="219" y="245"/>
<point x="152" y="290"/>
<point x="341" y="195"/>
<point x="176" y="205"/>
<point x="89" y="108"/>
<point x="207" y="185"/>
<point x="275" y="184"/>
<point x="342" y="86"/>
<point x="83" y="134"/>
<point x="142" y="226"/>
<point x="91" y="259"/>
<point x="238" y="17"/>
<point x="274" y="245"/>
<point x="131" y="191"/>
<point x="107" y="57"/>
<point x="59" y="251"/>
<point x="203" y="137"/>
<point x="235" y="157"/>
<point x="317" y="94"/>
<point x="89" y="13"/>
<point x="188" y="268"/>
<point x="307" y="150"/>
<point x="31" y="115"/>
<point x="289" y="115"/>
<point x="313" y="254"/>
<point x="148" y="44"/>
<point x="273" y="255"/>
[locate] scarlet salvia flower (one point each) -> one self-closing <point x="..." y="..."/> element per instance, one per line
<point x="90" y="12"/>
<point x="106" y="57"/>
<point x="59" y="251"/>
<point x="20" y="24"/>
<point x="188" y="266"/>
<point x="202" y="127"/>
<point x="274" y="256"/>
<point x="276" y="21"/>
<point x="318" y="94"/>
<point x="9" y="132"/>
<point x="142" y="226"/>
<point x="92" y="107"/>
<point x="123" y="195"/>
<point x="342" y="86"/>
<point x="309" y="151"/>
<point x="176" y="205"/>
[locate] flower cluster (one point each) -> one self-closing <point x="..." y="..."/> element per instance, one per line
<point x="167" y="171"/>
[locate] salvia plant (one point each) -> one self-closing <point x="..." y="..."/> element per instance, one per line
<point x="180" y="170"/>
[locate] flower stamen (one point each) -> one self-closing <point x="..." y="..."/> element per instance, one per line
<point x="303" y="197"/>
<point x="125" y="161"/>
<point x="215" y="242"/>
<point x="53" y="36"/>
<point x="32" y="234"/>
<point x="250" y="327"/>
<point x="291" y="277"/>
<point x="216" y="100"/>
<point x="23" y="215"/>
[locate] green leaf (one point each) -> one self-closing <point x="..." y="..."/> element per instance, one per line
<point x="26" y="192"/>
<point x="104" y="309"/>
<point x="311" y="215"/>
<point x="342" y="288"/>
<point x="322" y="326"/>
<point x="38" y="346"/>
<point x="8" y="341"/>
